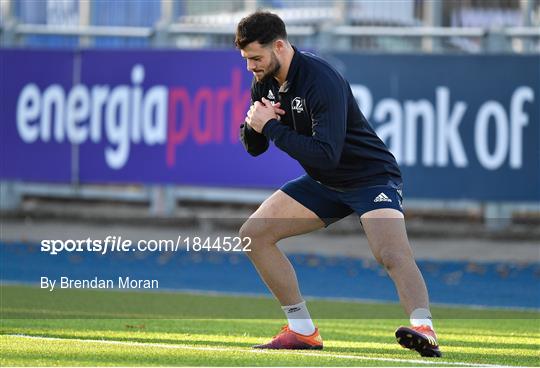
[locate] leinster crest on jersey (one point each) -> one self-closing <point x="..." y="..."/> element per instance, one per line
<point x="297" y="105"/>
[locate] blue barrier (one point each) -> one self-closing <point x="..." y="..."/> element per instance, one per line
<point x="499" y="284"/>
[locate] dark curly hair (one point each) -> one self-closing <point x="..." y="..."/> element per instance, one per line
<point x="264" y="27"/>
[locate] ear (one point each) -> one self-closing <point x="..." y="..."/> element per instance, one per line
<point x="279" y="46"/>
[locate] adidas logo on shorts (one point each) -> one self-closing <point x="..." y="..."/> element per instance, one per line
<point x="382" y="198"/>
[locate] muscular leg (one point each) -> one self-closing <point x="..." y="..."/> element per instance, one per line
<point x="387" y="237"/>
<point x="279" y="217"/>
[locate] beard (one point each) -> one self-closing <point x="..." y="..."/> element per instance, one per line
<point x="273" y="69"/>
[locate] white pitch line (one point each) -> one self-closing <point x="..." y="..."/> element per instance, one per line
<point x="254" y="351"/>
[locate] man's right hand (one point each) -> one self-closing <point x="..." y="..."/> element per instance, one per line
<point x="253" y="116"/>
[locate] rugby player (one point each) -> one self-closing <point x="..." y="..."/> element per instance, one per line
<point x="306" y="108"/>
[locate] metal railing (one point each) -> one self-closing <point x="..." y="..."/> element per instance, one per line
<point x="83" y="31"/>
<point x="187" y="29"/>
<point x="409" y="31"/>
<point x="325" y="36"/>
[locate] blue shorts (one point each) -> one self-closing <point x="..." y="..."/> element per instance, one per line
<point x="332" y="205"/>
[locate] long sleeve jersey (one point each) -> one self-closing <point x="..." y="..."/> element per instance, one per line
<point x="323" y="128"/>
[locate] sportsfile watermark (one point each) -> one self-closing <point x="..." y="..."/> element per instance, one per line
<point x="117" y="243"/>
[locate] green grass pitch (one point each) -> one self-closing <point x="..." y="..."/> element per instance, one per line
<point x="113" y="328"/>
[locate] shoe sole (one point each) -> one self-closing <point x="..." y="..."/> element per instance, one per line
<point x="296" y="348"/>
<point x="412" y="340"/>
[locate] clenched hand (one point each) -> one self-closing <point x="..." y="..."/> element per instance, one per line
<point x="262" y="112"/>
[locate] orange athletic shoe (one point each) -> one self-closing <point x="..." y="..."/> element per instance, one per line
<point x="287" y="339"/>
<point x="419" y="338"/>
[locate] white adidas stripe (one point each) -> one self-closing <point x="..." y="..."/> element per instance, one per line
<point x="254" y="351"/>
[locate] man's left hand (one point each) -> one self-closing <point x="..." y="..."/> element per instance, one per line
<point x="260" y="113"/>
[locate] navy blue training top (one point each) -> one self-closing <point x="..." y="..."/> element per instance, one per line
<point x="323" y="128"/>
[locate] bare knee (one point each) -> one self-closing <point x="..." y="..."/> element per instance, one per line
<point x="253" y="228"/>
<point x="391" y="259"/>
<point x="258" y="233"/>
